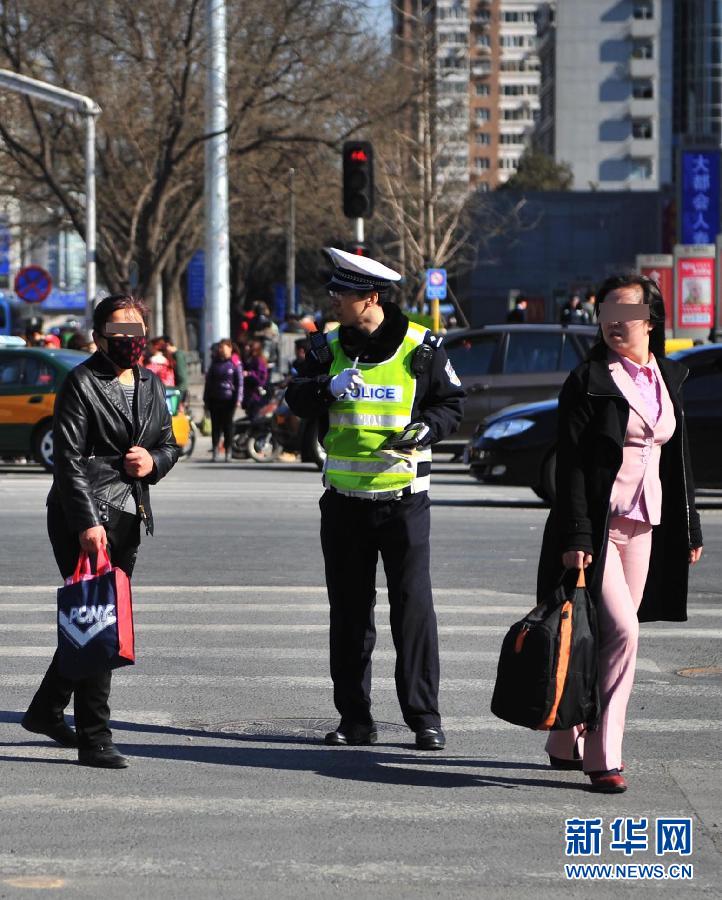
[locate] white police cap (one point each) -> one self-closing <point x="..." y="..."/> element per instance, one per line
<point x="358" y="273"/>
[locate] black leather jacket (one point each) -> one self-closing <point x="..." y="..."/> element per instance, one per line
<point x="93" y="430"/>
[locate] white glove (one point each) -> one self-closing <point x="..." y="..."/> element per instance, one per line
<point x="345" y="381"/>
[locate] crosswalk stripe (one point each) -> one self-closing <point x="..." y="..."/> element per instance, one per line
<point x="279" y="653"/>
<point x="681" y="632"/>
<point x="241" y="606"/>
<point x="472" y="724"/>
<point x="317" y="808"/>
<point x="448" y="685"/>
<point x="230" y="589"/>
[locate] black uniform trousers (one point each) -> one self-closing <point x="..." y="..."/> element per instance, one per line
<point x="353" y="533"/>
<point x="92" y="713"/>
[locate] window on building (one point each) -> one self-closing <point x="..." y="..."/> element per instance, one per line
<point x="532" y="89"/>
<point x="483" y="114"/>
<point x="642" y="129"/>
<point x="641" y="169"/>
<point x="481" y="163"/>
<point x="516" y="138"/>
<point x="512" y="90"/>
<point x="643" y="9"/>
<point x="483" y="40"/>
<point x="482" y="139"/>
<point x="643" y="49"/>
<point x="642" y="89"/>
<point x="517" y="17"/>
<point x="508" y="163"/>
<point x="482" y="90"/>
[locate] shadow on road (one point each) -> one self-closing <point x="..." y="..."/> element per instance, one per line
<point x="377" y="766"/>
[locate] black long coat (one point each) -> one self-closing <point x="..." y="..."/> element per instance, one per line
<point x="593" y="416"/>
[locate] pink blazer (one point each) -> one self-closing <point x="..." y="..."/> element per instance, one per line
<point x="642" y="446"/>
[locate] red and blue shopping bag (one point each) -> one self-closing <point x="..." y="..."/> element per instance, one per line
<point x="95" y="619"/>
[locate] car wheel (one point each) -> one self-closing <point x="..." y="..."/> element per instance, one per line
<point x="313" y="447"/>
<point x="546" y="489"/>
<point x="43" y="446"/>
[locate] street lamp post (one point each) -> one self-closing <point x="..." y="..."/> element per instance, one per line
<point x="217" y="313"/>
<point x="87" y="107"/>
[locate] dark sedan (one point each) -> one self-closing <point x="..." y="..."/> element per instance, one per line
<point x="517" y="445"/>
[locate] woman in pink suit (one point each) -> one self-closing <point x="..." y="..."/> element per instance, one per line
<point x="625" y="506"/>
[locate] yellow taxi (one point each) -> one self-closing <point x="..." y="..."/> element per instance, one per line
<point x="30" y="377"/>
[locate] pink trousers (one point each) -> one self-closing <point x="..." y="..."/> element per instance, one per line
<point x="625" y="574"/>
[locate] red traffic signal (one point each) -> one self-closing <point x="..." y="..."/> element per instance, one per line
<point x="358" y="179"/>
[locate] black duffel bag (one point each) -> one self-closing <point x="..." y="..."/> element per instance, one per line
<point x="547" y="673"/>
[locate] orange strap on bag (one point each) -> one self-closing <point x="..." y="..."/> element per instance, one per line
<point x="565" y="646"/>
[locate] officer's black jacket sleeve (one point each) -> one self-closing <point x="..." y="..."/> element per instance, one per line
<point x="439" y="401"/>
<point x="307" y="394"/>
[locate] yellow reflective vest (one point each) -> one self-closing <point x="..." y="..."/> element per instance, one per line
<point x="361" y="421"/>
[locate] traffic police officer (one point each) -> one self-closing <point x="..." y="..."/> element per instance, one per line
<point x="383" y="390"/>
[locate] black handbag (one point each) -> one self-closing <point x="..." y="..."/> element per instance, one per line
<point x="547" y="673"/>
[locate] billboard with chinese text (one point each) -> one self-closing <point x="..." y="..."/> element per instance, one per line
<point x="699" y="196"/>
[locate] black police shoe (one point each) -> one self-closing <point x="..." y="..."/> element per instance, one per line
<point x="104" y="756"/>
<point x="352" y="735"/>
<point x="430" y="739"/>
<point x="57" y="731"/>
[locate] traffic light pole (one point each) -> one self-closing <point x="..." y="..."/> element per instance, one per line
<point x="359" y="230"/>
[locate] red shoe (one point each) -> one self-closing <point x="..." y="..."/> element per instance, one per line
<point x="610" y="782"/>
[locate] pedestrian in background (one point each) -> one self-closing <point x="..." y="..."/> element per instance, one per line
<point x="222" y="395"/>
<point x="518" y="314"/>
<point x="180" y="366"/>
<point x="573" y="313"/>
<point x="255" y="377"/>
<point x="112" y="438"/>
<point x="624" y="506"/>
<point x="160" y="361"/>
<point x="376" y="380"/>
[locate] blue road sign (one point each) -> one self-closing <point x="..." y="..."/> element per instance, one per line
<point x="33" y="284"/>
<point x="436" y="284"/>
<point x="196" y="280"/>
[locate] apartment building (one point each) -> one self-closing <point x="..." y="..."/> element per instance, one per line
<point x="485" y="81"/>
<point x="607" y="90"/>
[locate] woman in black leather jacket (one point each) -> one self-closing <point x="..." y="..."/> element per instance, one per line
<point x="112" y="439"/>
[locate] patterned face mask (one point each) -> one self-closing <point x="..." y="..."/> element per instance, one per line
<point x="125" y="352"/>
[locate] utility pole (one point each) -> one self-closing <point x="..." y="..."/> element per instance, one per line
<point x="217" y="312"/>
<point x="89" y="109"/>
<point x="291" y="246"/>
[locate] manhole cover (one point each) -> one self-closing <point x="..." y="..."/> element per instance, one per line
<point x="310" y="729"/>
<point x="700" y="671"/>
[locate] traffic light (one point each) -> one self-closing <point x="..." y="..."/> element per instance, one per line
<point x="358" y="179"/>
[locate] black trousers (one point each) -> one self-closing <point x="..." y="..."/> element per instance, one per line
<point x="222" y="423"/>
<point x="353" y="533"/>
<point x="92" y="713"/>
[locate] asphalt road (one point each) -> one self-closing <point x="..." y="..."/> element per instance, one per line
<point x="231" y="792"/>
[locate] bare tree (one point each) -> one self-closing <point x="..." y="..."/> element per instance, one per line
<point x="301" y="75"/>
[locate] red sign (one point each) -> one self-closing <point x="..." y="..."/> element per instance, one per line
<point x="33" y="284"/>
<point x="663" y="275"/>
<point x="695" y="292"/>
